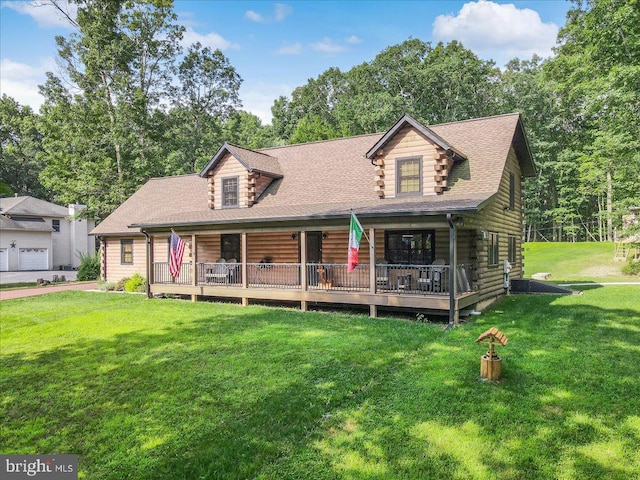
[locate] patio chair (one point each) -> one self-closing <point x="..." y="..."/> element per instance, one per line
<point x="437" y="275"/>
<point x="218" y="273"/>
<point x="382" y="276"/>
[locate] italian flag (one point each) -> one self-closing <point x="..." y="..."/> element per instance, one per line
<point x="355" y="234"/>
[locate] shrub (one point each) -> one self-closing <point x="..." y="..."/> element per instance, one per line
<point x="631" y="268"/>
<point x="136" y="283"/>
<point x="106" y="286"/>
<point x="121" y="283"/>
<point x="89" y="268"/>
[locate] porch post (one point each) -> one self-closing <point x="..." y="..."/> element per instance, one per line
<point x="149" y="263"/>
<point x="304" y="282"/>
<point x="194" y="266"/>
<point x="373" y="308"/>
<point x="454" y="316"/>
<point x="245" y="269"/>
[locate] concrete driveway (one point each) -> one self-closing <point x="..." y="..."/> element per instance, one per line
<point x="32" y="276"/>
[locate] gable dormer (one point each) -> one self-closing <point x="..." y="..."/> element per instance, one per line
<point x="237" y="176"/>
<point x="412" y="160"/>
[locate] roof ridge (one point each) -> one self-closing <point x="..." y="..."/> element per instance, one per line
<point x="249" y="149"/>
<point x="477" y="119"/>
<point x="174" y="176"/>
<point x="321" y="141"/>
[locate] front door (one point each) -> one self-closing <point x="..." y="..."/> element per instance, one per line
<point x="314" y="256"/>
<point x="314" y="247"/>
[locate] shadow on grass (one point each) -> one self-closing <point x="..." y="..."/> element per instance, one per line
<point x="271" y="395"/>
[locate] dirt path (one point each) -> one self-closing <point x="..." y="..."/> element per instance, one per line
<point x="32" y="292"/>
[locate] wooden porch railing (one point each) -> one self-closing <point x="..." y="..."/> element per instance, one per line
<point x="399" y="279"/>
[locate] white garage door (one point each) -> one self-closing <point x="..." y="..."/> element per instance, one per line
<point x="34" y="259"/>
<point x="4" y="260"/>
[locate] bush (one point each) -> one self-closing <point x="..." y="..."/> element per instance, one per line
<point x="137" y="283"/>
<point x="631" y="268"/>
<point x="106" y="286"/>
<point x="121" y="283"/>
<point x="89" y="268"/>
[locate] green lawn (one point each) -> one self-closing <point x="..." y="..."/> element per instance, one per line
<point x="145" y="389"/>
<point x="574" y="262"/>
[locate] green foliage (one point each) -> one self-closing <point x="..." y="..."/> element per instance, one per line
<point x="632" y="267"/>
<point x="89" y="268"/>
<point x="20" y="140"/>
<point x="136" y="283"/>
<point x="119" y="287"/>
<point x="152" y="382"/>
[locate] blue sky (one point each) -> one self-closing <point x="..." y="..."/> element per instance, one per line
<point x="277" y="46"/>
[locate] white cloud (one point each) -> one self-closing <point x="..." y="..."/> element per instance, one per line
<point x="282" y="11"/>
<point x="353" y="39"/>
<point x="211" y="40"/>
<point x="254" y="16"/>
<point x="20" y="81"/>
<point x="499" y="31"/>
<point x="259" y="98"/>
<point x="290" y="49"/>
<point x="45" y="14"/>
<point x="327" y="45"/>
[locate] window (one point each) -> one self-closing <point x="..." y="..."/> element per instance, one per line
<point x="230" y="246"/>
<point x="230" y="192"/>
<point x="56" y="225"/>
<point x="494" y="250"/>
<point x="126" y="251"/>
<point x="512" y="191"/>
<point x="412" y="247"/>
<point x="409" y="176"/>
<point x="511" y="252"/>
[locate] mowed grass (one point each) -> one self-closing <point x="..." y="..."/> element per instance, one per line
<point x="574" y="262"/>
<point x="146" y="389"/>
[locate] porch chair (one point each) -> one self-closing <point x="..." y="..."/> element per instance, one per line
<point x="382" y="276"/>
<point x="437" y="274"/>
<point x="218" y="273"/>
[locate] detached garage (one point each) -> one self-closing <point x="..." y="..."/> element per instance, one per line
<point x="33" y="259"/>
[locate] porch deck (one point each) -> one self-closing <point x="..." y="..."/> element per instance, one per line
<point x="404" y="286"/>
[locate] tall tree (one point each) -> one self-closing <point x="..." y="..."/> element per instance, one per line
<point x="20" y="143"/>
<point x="597" y="72"/>
<point x="206" y="96"/>
<point x="120" y="63"/>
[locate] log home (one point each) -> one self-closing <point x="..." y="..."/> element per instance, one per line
<point x="441" y="206"/>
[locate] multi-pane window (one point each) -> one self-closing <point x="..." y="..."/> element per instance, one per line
<point x="230" y="246"/>
<point x="415" y="247"/>
<point x="408" y="174"/>
<point x="230" y="192"/>
<point x="126" y="251"/>
<point x="511" y="252"/>
<point x="56" y="225"/>
<point x="494" y="251"/>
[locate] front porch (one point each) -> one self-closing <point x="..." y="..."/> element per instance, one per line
<point x="299" y="266"/>
<point x="424" y="287"/>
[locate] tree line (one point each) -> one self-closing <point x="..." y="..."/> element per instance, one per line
<point x="131" y="105"/>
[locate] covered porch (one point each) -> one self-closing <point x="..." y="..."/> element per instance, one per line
<point x="400" y="267"/>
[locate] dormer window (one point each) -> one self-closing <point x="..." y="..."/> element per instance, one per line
<point x="230" y="192"/>
<point x="409" y="176"/>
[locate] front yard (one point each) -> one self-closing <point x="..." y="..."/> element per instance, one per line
<point x="146" y="389"/>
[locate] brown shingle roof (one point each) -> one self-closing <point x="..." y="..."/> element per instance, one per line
<point x="31" y="206"/>
<point x="328" y="179"/>
<point x="7" y="223"/>
<point x="252" y="160"/>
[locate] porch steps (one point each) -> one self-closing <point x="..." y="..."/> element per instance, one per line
<point x="527" y="285"/>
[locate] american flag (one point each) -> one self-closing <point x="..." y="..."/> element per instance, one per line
<point x="175" y="254"/>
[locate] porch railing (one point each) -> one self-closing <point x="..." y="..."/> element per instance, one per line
<point x="161" y="274"/>
<point x="334" y="276"/>
<point x="389" y="278"/>
<point x="274" y="275"/>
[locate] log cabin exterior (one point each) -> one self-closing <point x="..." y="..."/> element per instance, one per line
<point x="441" y="207"/>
